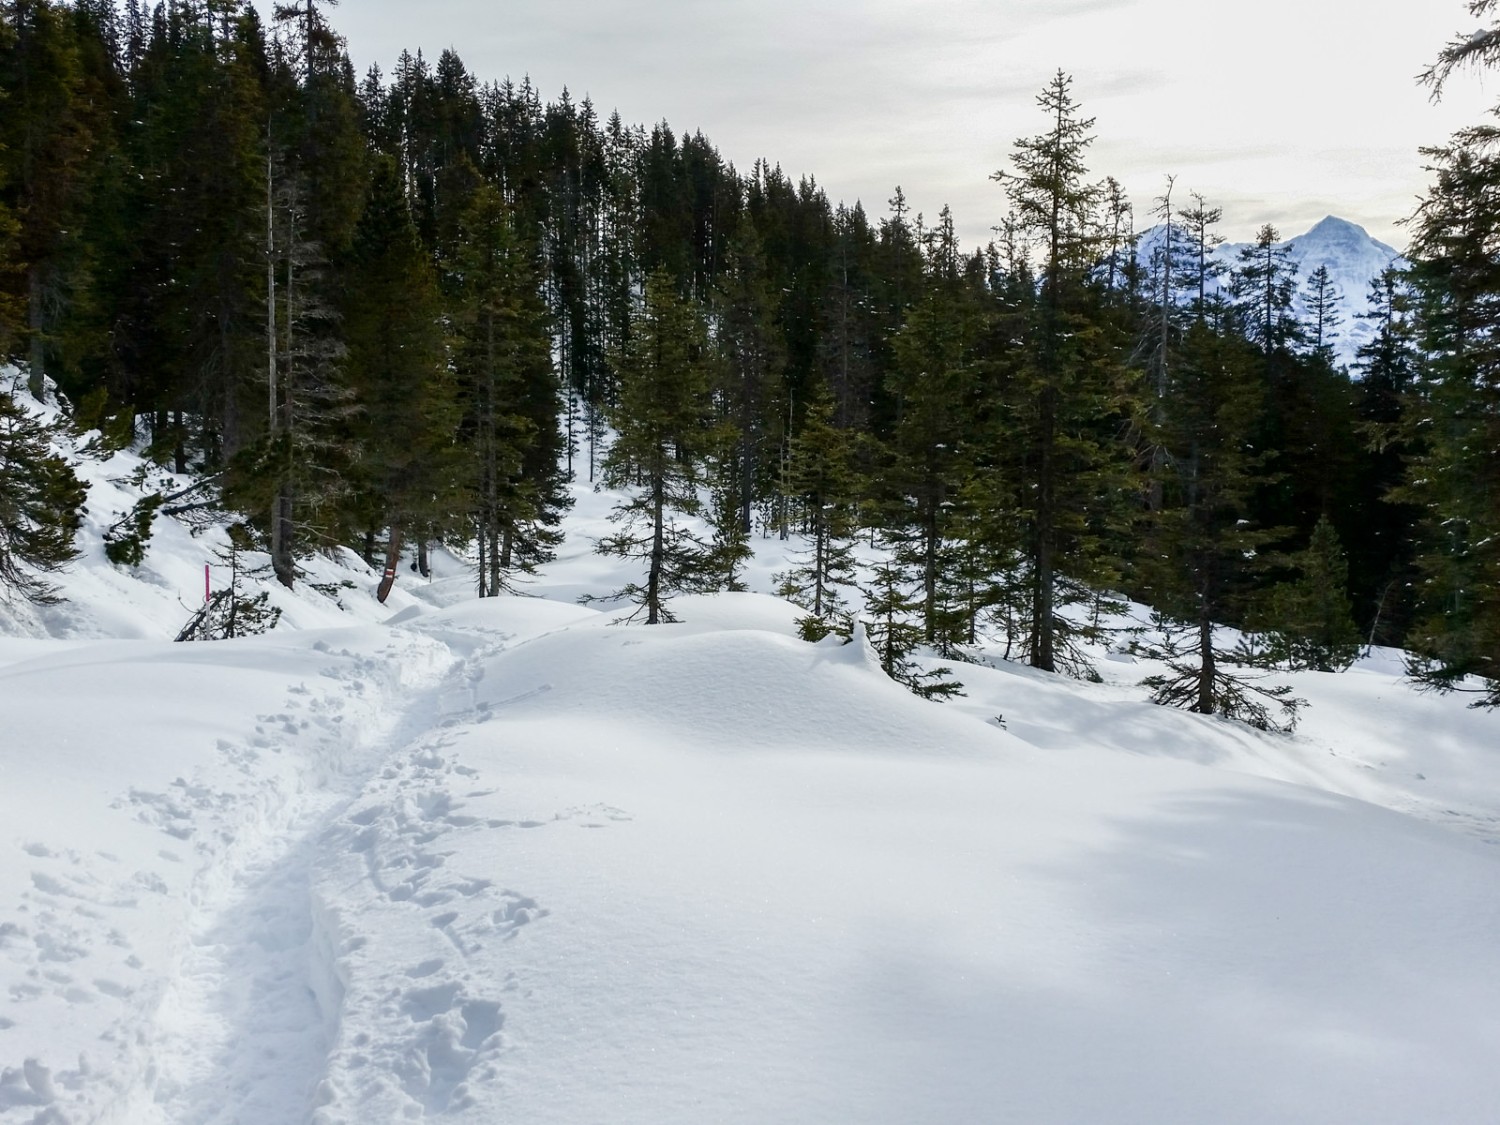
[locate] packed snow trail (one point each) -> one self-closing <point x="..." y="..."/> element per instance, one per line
<point x="201" y="973"/>
<point x="250" y="1024"/>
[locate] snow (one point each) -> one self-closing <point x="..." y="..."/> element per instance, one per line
<point x="504" y="860"/>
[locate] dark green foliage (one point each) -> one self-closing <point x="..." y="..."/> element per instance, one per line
<point x="1452" y="429"/>
<point x="1069" y="396"/>
<point x="822" y="484"/>
<point x="406" y="477"/>
<point x="664" y="380"/>
<point x="41" y="506"/>
<point x="503" y="359"/>
<point x="1308" y="621"/>
<point x="889" y="622"/>
<point x="370" y="302"/>
<point x="1205" y="552"/>
<point x="51" y="152"/>
<point x="125" y="540"/>
<point x="1263" y="286"/>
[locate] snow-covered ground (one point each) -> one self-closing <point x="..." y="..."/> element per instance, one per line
<point x="505" y="861"/>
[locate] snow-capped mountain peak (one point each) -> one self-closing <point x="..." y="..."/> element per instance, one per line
<point x="1351" y="255"/>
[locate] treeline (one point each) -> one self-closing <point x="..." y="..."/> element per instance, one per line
<point x="406" y="310"/>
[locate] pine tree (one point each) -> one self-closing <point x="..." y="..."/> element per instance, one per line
<point x="41" y="505"/>
<point x="1310" y="620"/>
<point x="1202" y="272"/>
<point x="1070" y="394"/>
<point x="185" y="270"/>
<point x="933" y="385"/>
<point x="821" y="478"/>
<point x="46" y="135"/>
<point x="1381" y="548"/>
<point x="229" y="612"/>
<point x="407" y="475"/>
<point x="752" y="367"/>
<point x="664" y="380"/>
<point x="1205" y="557"/>
<point x="892" y="632"/>
<point x="1322" y="298"/>
<point x="503" y="357"/>
<point x="1453" y="430"/>
<point x="1263" y="286"/>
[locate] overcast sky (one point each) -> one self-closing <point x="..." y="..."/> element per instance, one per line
<point x="1279" y="111"/>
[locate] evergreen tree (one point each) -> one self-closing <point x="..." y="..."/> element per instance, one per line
<point x="1202" y="272"/>
<point x="933" y="385"/>
<point x="888" y="616"/>
<point x="229" y="612"/>
<point x="47" y="133"/>
<point x="1310" y="620"/>
<point x="1070" y="392"/>
<point x="406" y="477"/>
<point x="504" y="360"/>
<point x="1206" y="552"/>
<point x="41" y="505"/>
<point x="1263" y="287"/>
<point x="1322" y="299"/>
<point x="1453" y="430"/>
<point x="664" y="380"/>
<point x="821" y="479"/>
<point x="1380" y="549"/>
<point x="185" y="269"/>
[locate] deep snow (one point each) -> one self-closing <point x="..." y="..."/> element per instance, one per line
<point x="503" y="860"/>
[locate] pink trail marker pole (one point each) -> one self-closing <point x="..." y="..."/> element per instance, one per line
<point x="207" y="596"/>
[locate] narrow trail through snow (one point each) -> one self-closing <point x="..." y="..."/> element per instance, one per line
<point x="244" y="1032"/>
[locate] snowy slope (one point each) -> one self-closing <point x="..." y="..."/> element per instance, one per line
<point x="1353" y="259"/>
<point x="501" y="860"/>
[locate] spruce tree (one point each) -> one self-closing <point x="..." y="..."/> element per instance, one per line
<point x="933" y="387"/>
<point x="47" y="134"/>
<point x="1069" y="393"/>
<point x="822" y="481"/>
<point x="1381" y="548"/>
<point x="1322" y="298"/>
<point x="664" y="379"/>
<point x="406" y="479"/>
<point x="889" y="613"/>
<point x="1453" y="429"/>
<point x="1309" y="620"/>
<point x="1206" y="552"/>
<point x="503" y="358"/>
<point x="1263" y="285"/>
<point x="41" y="505"/>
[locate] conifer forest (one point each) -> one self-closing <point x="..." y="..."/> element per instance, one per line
<point x="386" y="312"/>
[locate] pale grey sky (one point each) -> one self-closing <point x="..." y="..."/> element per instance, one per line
<point x="1277" y="110"/>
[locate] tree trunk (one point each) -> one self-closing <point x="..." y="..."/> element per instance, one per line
<point x="37" y="377"/>
<point x="392" y="560"/>
<point x="281" y="537"/>
<point x="658" y="549"/>
<point x="1206" y="668"/>
<point x="1043" y="625"/>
